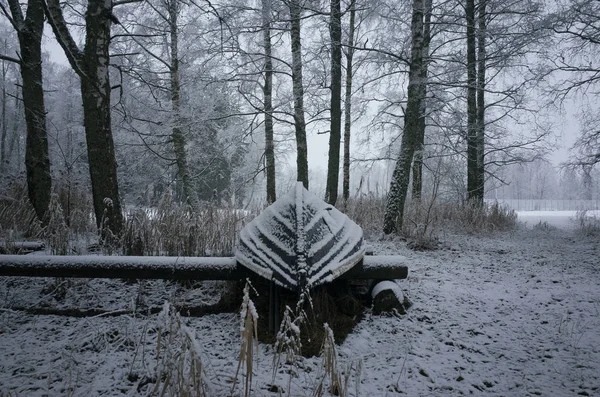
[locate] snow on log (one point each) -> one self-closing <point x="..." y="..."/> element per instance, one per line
<point x="387" y="298"/>
<point x="171" y="268"/>
<point x="135" y="267"/>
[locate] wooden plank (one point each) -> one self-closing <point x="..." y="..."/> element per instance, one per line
<point x="171" y="268"/>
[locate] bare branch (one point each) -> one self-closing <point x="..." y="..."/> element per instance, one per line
<point x="10" y="59"/>
<point x="9" y="17"/>
<point x="122" y="2"/>
<point x="63" y="36"/>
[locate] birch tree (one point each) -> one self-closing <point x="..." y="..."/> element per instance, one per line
<point x="348" y="102"/>
<point x="92" y="66"/>
<point x="394" y="211"/>
<point x="298" y="92"/>
<point x="179" y="142"/>
<point x="268" y="101"/>
<point x="333" y="164"/>
<point x="417" y="170"/>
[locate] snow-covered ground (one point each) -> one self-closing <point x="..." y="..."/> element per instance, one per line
<point x="506" y="314"/>
<point x="562" y="219"/>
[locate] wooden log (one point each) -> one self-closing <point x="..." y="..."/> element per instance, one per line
<point x="171" y="268"/>
<point x="388" y="298"/>
<point x="378" y="267"/>
<point x="131" y="267"/>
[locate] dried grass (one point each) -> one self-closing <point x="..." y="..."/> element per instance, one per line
<point x="587" y="225"/>
<point x="367" y="211"/>
<point x="175" y="229"/>
<point x="249" y="318"/>
<point x="424" y="219"/>
<point x="179" y="367"/>
<point x="16" y="213"/>
<point x="477" y="218"/>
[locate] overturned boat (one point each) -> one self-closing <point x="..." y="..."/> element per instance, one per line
<point x="300" y="242"/>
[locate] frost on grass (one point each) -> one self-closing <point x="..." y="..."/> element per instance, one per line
<point x="249" y="335"/>
<point x="300" y="241"/>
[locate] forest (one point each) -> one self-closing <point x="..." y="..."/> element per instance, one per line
<point x="219" y="101"/>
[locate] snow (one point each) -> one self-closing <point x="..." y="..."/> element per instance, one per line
<point x="300" y="240"/>
<point x="388" y="285"/>
<point x="504" y="314"/>
<point x="562" y="219"/>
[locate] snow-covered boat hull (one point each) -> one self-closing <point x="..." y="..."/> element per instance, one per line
<point x="300" y="241"/>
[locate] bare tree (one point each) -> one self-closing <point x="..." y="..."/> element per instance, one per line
<point x="480" y="135"/>
<point x="394" y="211"/>
<point x="348" y="101"/>
<point x="92" y="66"/>
<point x="268" y="101"/>
<point x="298" y="92"/>
<point x="189" y="190"/>
<point x="333" y="165"/>
<point x="472" y="149"/>
<point x="29" y="29"/>
<point x="4" y="97"/>
<point x="576" y="26"/>
<point x="417" y="181"/>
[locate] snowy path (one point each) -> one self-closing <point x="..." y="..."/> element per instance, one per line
<point x="514" y="314"/>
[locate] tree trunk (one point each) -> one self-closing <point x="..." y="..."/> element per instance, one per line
<point x="15" y="144"/>
<point x="298" y="92"/>
<point x="92" y="67"/>
<point x="268" y="102"/>
<point x="479" y="193"/>
<point x="333" y="166"/>
<point x="95" y="91"/>
<point x="37" y="161"/>
<point x="417" y="186"/>
<point x="472" y="179"/>
<point x="348" y="104"/>
<point x="4" y="129"/>
<point x="394" y="211"/>
<point x="189" y="191"/>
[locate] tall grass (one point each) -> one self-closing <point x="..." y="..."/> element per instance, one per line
<point x="16" y="213"/>
<point x="426" y="218"/>
<point x="179" y="367"/>
<point x="175" y="229"/>
<point x="249" y="333"/>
